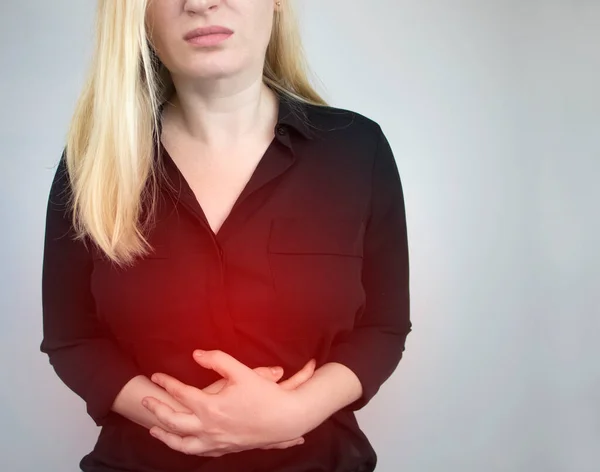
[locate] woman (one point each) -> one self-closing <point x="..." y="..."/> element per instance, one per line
<point x="208" y="201"/>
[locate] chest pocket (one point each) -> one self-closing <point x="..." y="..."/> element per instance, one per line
<point x="316" y="265"/>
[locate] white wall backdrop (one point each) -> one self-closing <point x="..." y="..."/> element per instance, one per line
<point x="492" y="108"/>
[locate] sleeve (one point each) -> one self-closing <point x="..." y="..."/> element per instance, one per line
<point x="78" y="344"/>
<point x="373" y="349"/>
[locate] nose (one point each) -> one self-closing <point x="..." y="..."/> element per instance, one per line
<point x="199" y="7"/>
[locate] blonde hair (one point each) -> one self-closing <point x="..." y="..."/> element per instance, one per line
<point x="112" y="137"/>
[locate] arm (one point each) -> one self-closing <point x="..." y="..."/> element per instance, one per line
<point x="370" y="353"/>
<point x="331" y="387"/>
<point x="80" y="348"/>
<point x="128" y="402"/>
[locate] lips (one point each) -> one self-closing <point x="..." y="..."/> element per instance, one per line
<point x="206" y="30"/>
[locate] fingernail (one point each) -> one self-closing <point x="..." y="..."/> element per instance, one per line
<point x="198" y="352"/>
<point x="276" y="370"/>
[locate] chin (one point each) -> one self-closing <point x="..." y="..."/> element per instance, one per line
<point x="213" y="68"/>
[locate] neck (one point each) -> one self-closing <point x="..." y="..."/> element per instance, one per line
<point x="222" y="119"/>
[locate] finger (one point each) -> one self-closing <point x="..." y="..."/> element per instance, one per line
<point x="173" y="421"/>
<point x="285" y="444"/>
<point x="270" y="373"/>
<point x="266" y="372"/>
<point x="224" y="364"/>
<point x="212" y="454"/>
<point x="215" y="387"/>
<point x="183" y="409"/>
<point x="300" y="377"/>
<point x="190" y="445"/>
<point x="188" y="395"/>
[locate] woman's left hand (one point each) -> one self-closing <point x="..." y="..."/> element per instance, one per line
<point x="249" y="412"/>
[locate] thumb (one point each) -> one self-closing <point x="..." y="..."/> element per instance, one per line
<point x="301" y="376"/>
<point x="224" y="364"/>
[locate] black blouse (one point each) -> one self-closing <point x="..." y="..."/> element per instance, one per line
<point x="312" y="261"/>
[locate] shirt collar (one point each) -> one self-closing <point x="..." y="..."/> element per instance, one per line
<point x="294" y="113"/>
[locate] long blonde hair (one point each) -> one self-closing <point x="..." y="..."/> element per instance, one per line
<point x="113" y="132"/>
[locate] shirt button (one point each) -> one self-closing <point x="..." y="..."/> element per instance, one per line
<point x="281" y="130"/>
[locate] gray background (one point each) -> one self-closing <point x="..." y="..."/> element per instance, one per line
<point x="493" y="111"/>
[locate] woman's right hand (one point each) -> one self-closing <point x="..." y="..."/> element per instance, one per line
<point x="293" y="382"/>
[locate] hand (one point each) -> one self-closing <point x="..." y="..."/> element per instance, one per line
<point x="267" y="372"/>
<point x="239" y="414"/>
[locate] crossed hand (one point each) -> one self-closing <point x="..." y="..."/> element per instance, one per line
<point x="246" y="409"/>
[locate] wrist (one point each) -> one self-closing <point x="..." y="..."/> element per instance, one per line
<point x="305" y="413"/>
